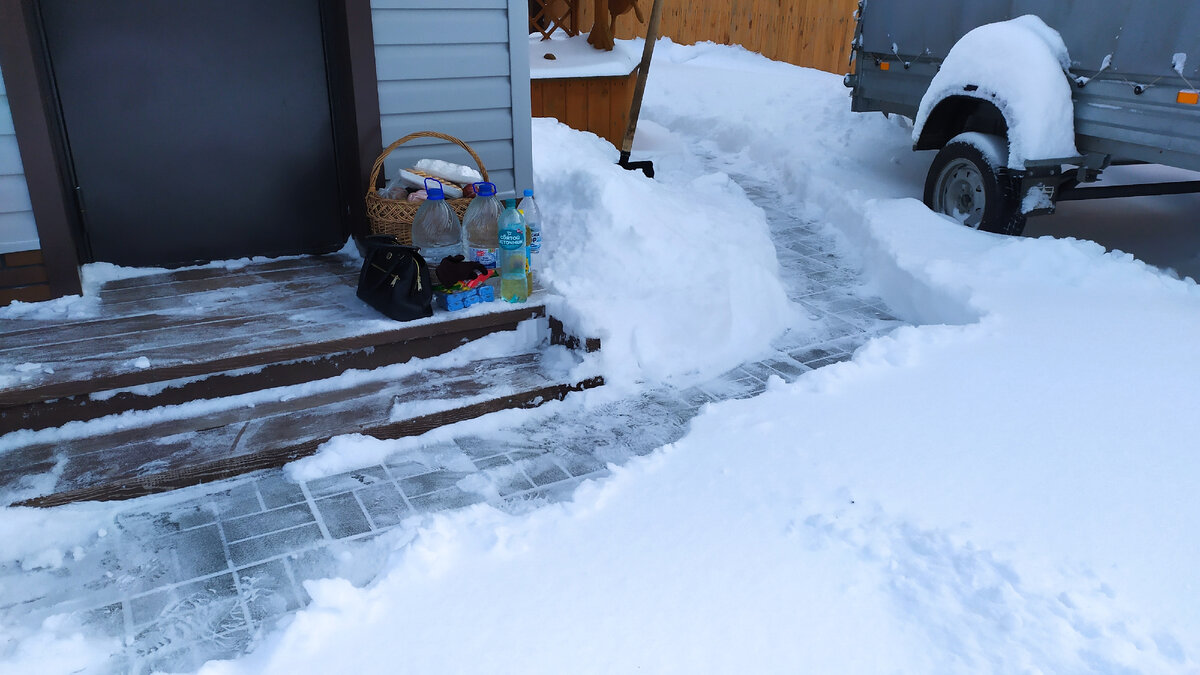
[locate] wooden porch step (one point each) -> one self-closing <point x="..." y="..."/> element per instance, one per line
<point x="214" y="359"/>
<point x="175" y="453"/>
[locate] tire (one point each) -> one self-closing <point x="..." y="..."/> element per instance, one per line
<point x="964" y="185"/>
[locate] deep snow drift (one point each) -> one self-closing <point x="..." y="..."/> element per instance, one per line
<point x="1006" y="487"/>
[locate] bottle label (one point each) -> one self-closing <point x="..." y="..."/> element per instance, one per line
<point x="483" y="256"/>
<point x="512" y="239"/>
<point x="535" y="241"/>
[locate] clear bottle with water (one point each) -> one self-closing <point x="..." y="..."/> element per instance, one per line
<point x="533" y="220"/>
<point x="514" y="286"/>
<point x="481" y="235"/>
<point x="436" y="229"/>
<point x="533" y="234"/>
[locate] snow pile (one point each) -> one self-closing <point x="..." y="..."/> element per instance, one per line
<point x="677" y="275"/>
<point x="959" y="498"/>
<point x="1017" y="65"/>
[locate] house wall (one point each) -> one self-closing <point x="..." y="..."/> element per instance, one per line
<point x="461" y="69"/>
<point x="17" y="229"/>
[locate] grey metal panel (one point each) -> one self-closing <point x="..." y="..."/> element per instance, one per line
<point x="18" y="230"/>
<point x="14" y="195"/>
<point x="424" y="62"/>
<point x="10" y="156"/>
<point x="480" y="125"/>
<point x="431" y="27"/>
<point x="406" y="96"/>
<point x="6" y="121"/>
<point x="1141" y="35"/>
<point x="456" y="69"/>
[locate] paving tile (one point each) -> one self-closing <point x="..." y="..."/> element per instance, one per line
<point x="175" y="657"/>
<point x="408" y="468"/>
<point x="543" y="471"/>
<point x="259" y="524"/>
<point x="268" y="591"/>
<point x="476" y="447"/>
<point x="508" y="478"/>
<point x="809" y="355"/>
<point x="492" y="462"/>
<point x="277" y="491"/>
<point x="384" y="505"/>
<point x="343" y="516"/>
<point x="415" y="486"/>
<point x="238" y="500"/>
<point x="579" y="463"/>
<point x="172" y="518"/>
<point x="786" y="367"/>
<point x="107" y="620"/>
<point x="453" y="498"/>
<point x="250" y="551"/>
<point x="197" y="552"/>
<point x="345" y="482"/>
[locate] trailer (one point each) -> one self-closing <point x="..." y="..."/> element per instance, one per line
<point x="1028" y="102"/>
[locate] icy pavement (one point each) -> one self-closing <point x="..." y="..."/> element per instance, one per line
<point x="202" y="573"/>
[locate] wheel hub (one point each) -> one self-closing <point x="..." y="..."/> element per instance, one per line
<point x="960" y="193"/>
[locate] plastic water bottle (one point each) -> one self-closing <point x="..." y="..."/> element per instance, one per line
<point x="480" y="226"/>
<point x="514" y="286"/>
<point x="436" y="230"/>
<point x="533" y="220"/>
<point x="533" y="234"/>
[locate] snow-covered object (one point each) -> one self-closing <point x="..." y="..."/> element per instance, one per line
<point x="564" y="57"/>
<point x="450" y="171"/>
<point x="1018" y="65"/>
<point x="1179" y="62"/>
<point x="677" y="276"/>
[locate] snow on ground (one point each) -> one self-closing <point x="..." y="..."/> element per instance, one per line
<point x="1006" y="487"/>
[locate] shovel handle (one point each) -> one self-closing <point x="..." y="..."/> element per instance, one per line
<point x="643" y="72"/>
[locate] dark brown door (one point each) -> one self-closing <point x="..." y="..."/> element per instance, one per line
<point x="197" y="130"/>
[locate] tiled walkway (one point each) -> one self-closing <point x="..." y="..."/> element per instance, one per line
<point x="202" y="573"/>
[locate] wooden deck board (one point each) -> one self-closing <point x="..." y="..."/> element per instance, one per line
<point x="215" y="333"/>
<point x="248" y="323"/>
<point x="270" y="432"/>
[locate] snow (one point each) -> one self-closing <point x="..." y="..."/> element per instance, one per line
<point x="1018" y="65"/>
<point x="1007" y="485"/>
<point x="1179" y="62"/>
<point x="574" y="57"/>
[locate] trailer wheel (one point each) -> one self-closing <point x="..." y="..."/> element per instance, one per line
<point x="966" y="183"/>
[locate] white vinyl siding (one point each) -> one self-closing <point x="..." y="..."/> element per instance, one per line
<point x="17" y="229"/>
<point x="460" y="68"/>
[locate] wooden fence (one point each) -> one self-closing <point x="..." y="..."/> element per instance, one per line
<point x="812" y="33"/>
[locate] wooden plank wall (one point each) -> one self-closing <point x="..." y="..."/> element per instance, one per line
<point x="596" y="104"/>
<point x="812" y="33"/>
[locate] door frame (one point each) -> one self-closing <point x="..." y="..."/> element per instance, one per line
<point x="349" y="48"/>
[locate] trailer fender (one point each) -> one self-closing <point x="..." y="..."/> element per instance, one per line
<point x="1015" y="68"/>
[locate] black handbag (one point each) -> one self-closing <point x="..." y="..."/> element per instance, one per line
<point x="395" y="279"/>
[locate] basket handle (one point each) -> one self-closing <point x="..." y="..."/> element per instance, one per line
<point x="378" y="165"/>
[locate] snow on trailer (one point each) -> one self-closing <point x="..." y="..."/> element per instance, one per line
<point x="1070" y="88"/>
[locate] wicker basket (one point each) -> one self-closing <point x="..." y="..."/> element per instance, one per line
<point x="395" y="217"/>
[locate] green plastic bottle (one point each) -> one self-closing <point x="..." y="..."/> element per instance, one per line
<point x="514" y="286"/>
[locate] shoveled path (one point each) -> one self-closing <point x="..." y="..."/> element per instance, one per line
<point x="203" y="573"/>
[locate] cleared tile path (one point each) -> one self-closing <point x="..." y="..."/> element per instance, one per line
<point x="202" y="573"/>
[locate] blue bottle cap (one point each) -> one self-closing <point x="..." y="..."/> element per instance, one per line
<point x="485" y="189"/>
<point x="436" y="193"/>
<point x="510" y="203"/>
<point x="528" y="193"/>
